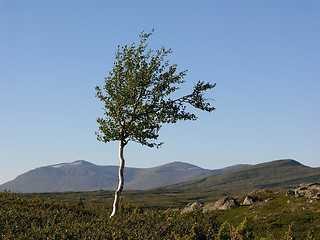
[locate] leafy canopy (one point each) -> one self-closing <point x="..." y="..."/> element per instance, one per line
<point x="136" y="95"/>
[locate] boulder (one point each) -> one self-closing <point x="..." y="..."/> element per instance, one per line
<point x="249" y="200"/>
<point x="191" y="207"/>
<point x="222" y="204"/>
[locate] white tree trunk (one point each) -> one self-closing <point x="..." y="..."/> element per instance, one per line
<point x="121" y="180"/>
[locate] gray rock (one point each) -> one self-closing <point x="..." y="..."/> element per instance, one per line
<point x="249" y="200"/>
<point x="307" y="190"/>
<point x="191" y="207"/>
<point x="269" y="199"/>
<point x="222" y="204"/>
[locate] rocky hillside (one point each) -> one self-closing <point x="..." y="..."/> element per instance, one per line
<point x="309" y="192"/>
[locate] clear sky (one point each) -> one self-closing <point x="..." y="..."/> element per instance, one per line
<point x="263" y="55"/>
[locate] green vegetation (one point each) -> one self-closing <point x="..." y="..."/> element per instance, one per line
<point x="156" y="198"/>
<point x="275" y="218"/>
<point x="47" y="217"/>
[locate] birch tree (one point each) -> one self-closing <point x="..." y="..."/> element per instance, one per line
<point x="137" y="98"/>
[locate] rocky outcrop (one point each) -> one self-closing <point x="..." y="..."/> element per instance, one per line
<point x="307" y="190"/>
<point x="191" y="207"/>
<point x="222" y="204"/>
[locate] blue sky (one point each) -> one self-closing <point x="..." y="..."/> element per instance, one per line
<point x="263" y="55"/>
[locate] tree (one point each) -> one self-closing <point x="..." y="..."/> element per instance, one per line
<point x="136" y="98"/>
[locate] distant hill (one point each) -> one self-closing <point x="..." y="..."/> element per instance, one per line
<point x="171" y="173"/>
<point x="85" y="176"/>
<point x="276" y="174"/>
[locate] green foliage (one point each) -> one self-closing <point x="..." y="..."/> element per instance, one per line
<point x="244" y="230"/>
<point x="288" y="235"/>
<point x="39" y="217"/>
<point x="136" y="95"/>
<point x="224" y="232"/>
<point x="311" y="234"/>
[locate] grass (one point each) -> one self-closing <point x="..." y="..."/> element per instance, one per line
<point x="156" y="198"/>
<point x="24" y="217"/>
<point x="86" y="216"/>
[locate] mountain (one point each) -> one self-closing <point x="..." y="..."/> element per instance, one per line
<point x="276" y="174"/>
<point x="171" y="173"/>
<point x="176" y="176"/>
<point x="85" y="176"/>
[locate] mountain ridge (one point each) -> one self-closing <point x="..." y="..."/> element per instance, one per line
<point x="81" y="175"/>
<point x="283" y="173"/>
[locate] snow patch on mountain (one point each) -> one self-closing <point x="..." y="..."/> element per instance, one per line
<point x="79" y="162"/>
